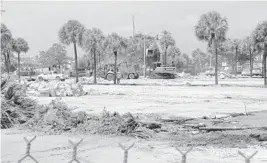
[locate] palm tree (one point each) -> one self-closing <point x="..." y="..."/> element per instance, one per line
<point x="71" y="32"/>
<point x="6" y="44"/>
<point x="260" y="42"/>
<point x="212" y="28"/>
<point x="115" y="43"/>
<point x="92" y="42"/>
<point x="20" y="45"/>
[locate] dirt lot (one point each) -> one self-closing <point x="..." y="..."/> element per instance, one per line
<point x="162" y="103"/>
<point x="189" y="101"/>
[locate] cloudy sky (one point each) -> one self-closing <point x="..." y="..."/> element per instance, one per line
<point x="39" y="22"/>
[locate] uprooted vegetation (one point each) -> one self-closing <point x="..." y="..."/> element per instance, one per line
<point x="16" y="107"/>
<point x="56" y="118"/>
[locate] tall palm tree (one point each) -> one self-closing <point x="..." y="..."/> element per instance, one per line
<point x="20" y="45"/>
<point x="260" y="40"/>
<point x="93" y="42"/>
<point x="115" y="44"/>
<point x="6" y="44"/>
<point x="212" y="28"/>
<point x="71" y="32"/>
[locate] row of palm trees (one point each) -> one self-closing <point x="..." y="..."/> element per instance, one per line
<point x="91" y="41"/>
<point x="212" y="28"/>
<point x="10" y="45"/>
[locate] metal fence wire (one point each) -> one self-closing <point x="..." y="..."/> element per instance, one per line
<point x="125" y="150"/>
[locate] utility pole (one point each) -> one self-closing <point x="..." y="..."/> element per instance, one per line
<point x="133" y="26"/>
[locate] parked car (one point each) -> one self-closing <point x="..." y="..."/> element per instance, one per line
<point x="245" y="72"/>
<point x="256" y="72"/>
<point x="52" y="76"/>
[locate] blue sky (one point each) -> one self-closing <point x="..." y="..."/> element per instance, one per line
<point x="39" y="22"/>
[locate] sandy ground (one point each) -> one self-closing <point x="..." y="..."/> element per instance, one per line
<point x="195" y="101"/>
<point x="99" y="149"/>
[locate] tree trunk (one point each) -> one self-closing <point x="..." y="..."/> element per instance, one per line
<point x="94" y="66"/>
<point x="19" y="65"/>
<point x="216" y="60"/>
<point x="250" y="63"/>
<point x="99" y="60"/>
<point x="115" y="67"/>
<point x="236" y="61"/>
<point x="6" y="63"/>
<point x="76" y="62"/>
<point x="264" y="65"/>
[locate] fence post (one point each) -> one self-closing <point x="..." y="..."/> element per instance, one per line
<point x="247" y="159"/>
<point x="28" y="149"/>
<point x="125" y="151"/>
<point x="74" y="153"/>
<point x="183" y="153"/>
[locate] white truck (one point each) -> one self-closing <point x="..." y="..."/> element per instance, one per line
<point x="52" y="76"/>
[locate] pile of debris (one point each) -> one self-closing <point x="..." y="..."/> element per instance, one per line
<point x="57" y="117"/>
<point x="116" y="124"/>
<point x="54" y="89"/>
<point x="16" y="107"/>
<point x="54" y="118"/>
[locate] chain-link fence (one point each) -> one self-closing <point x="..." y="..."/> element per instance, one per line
<point x="125" y="149"/>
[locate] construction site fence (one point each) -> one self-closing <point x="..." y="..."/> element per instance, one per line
<point x="125" y="149"/>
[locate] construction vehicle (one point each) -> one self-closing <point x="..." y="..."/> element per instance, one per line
<point x="160" y="70"/>
<point x="127" y="71"/>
